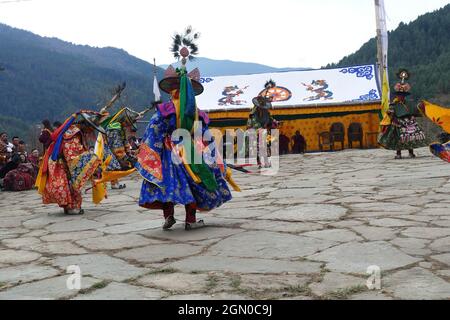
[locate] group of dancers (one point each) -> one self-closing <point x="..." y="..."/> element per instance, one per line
<point x="169" y="178"/>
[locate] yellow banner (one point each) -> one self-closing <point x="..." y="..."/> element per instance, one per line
<point x="439" y="115"/>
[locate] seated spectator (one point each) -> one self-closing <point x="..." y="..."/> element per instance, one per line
<point x="22" y="149"/>
<point x="15" y="142"/>
<point x="20" y="156"/>
<point x="299" y="143"/>
<point x="16" y="159"/>
<point x="33" y="158"/>
<point x="22" y="178"/>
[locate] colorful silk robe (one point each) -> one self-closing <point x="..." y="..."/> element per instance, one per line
<point x="403" y="133"/>
<point x="166" y="178"/>
<point x="70" y="172"/>
<point x="117" y="141"/>
<point x="441" y="117"/>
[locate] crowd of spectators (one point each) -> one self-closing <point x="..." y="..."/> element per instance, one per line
<point x="18" y="167"/>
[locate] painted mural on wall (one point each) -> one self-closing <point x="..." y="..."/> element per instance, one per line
<point x="277" y="94"/>
<point x="356" y="84"/>
<point x="231" y="96"/>
<point x="319" y="89"/>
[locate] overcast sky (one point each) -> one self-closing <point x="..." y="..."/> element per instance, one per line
<point x="279" y="33"/>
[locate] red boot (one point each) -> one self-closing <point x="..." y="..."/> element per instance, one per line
<point x="169" y="211"/>
<point x="191" y="219"/>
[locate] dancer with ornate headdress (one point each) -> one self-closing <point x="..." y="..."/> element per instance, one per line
<point x="185" y="171"/>
<point x="400" y="130"/>
<point x="262" y="122"/>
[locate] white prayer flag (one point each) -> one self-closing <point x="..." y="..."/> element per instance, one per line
<point x="156" y="91"/>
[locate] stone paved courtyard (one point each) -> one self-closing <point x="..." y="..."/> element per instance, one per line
<point x="310" y="232"/>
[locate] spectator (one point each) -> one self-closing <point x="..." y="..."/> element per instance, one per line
<point x="46" y="133"/>
<point x="284" y="144"/>
<point x="22" y="149"/>
<point x="15" y="142"/>
<point x="33" y="158"/>
<point x="299" y="143"/>
<point x="16" y="159"/>
<point x="6" y="149"/>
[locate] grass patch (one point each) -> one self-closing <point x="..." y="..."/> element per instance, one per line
<point x="299" y="290"/>
<point x="211" y="282"/>
<point x="163" y="271"/>
<point x="343" y="294"/>
<point x="97" y="286"/>
<point x="236" y="282"/>
<point x="196" y="272"/>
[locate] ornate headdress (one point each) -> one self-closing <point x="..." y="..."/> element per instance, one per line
<point x="92" y="119"/>
<point x="127" y="116"/>
<point x="186" y="85"/>
<point x="183" y="47"/>
<point x="264" y="100"/>
<point x="403" y="88"/>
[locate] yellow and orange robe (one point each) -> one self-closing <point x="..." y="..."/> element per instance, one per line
<point x="67" y="176"/>
<point x="441" y="117"/>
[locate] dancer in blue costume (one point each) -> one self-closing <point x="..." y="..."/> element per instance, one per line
<point x="163" y="160"/>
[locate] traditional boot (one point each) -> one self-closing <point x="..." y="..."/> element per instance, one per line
<point x="169" y="211"/>
<point x="73" y="212"/>
<point x="191" y="219"/>
<point x="411" y="154"/>
<point x="399" y="155"/>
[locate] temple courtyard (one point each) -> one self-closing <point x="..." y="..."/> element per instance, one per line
<point x="310" y="232"/>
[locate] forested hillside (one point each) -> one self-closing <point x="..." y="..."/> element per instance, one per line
<point x="423" y="47"/>
<point x="49" y="78"/>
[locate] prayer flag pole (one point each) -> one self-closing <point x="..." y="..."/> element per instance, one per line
<point x="382" y="57"/>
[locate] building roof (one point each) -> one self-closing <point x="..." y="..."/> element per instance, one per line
<point x="351" y="85"/>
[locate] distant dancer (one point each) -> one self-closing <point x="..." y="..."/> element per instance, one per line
<point x="400" y="130"/>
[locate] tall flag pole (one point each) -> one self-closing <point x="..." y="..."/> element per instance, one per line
<point x="383" y="46"/>
<point x="156" y="91"/>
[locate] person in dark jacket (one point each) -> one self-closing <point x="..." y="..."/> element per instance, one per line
<point x="299" y="143"/>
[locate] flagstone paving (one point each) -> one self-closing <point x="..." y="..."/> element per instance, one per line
<point x="310" y="232"/>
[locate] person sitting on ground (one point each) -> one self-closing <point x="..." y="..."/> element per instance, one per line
<point x="34" y="159"/>
<point x="23" y="177"/>
<point x="13" y="163"/>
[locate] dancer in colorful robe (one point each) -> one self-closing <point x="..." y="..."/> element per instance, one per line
<point x="440" y="116"/>
<point x="118" y="146"/>
<point x="261" y="120"/>
<point x="400" y="130"/>
<point x="68" y="165"/>
<point x="113" y="149"/>
<point x="163" y="159"/>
